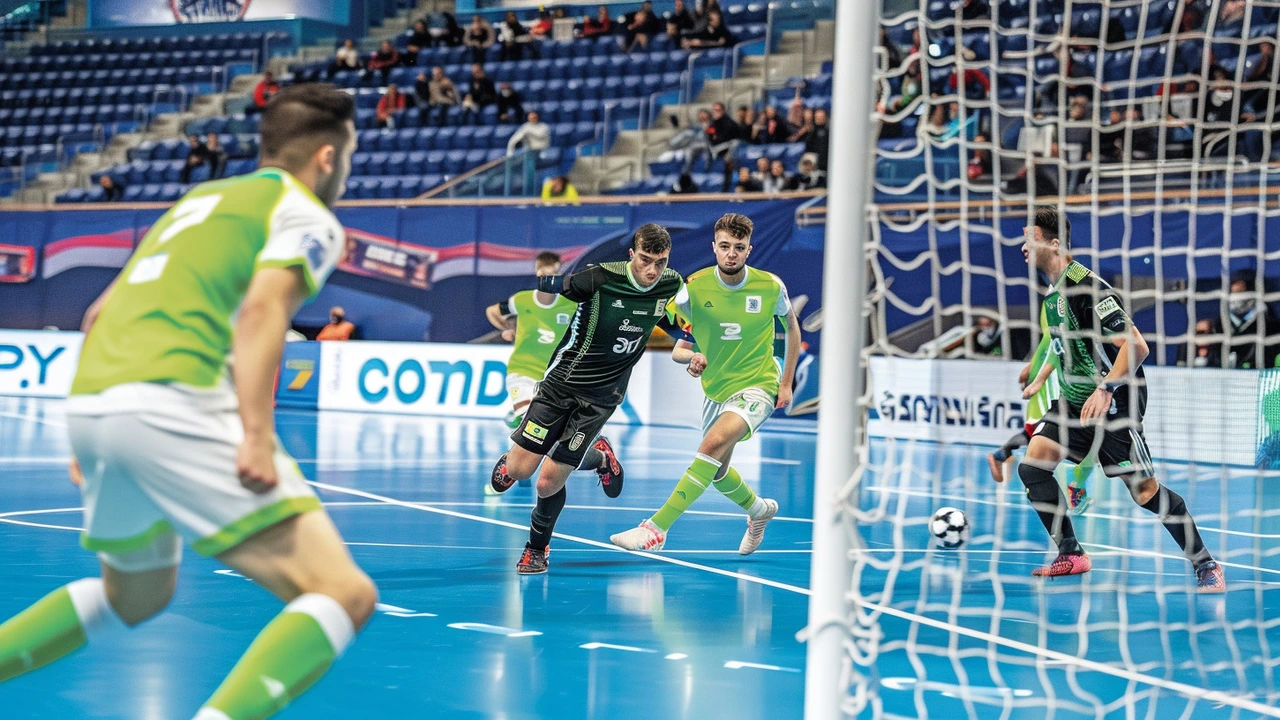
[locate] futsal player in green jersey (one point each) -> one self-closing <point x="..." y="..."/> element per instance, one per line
<point x="535" y="321"/>
<point x="1041" y="386"/>
<point x="172" y="449"/>
<point x="730" y="310"/>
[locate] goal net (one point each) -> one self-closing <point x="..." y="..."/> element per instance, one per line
<point x="1152" y="125"/>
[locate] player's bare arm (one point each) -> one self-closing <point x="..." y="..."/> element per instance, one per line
<point x="789" y="363"/>
<point x="274" y="296"/>
<point x="1042" y="377"/>
<point x="505" y="323"/>
<point x="1133" y="350"/>
<point x="684" y="354"/>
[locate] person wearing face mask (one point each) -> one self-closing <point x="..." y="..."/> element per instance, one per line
<point x="339" y="328"/>
<point x="1247" y="321"/>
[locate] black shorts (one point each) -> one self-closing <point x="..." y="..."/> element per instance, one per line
<point x="560" y="424"/>
<point x="1122" y="451"/>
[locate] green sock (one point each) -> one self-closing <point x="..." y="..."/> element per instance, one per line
<point x="692" y="484"/>
<point x="56" y="626"/>
<point x="1080" y="473"/>
<point x="732" y="486"/>
<point x="288" y="656"/>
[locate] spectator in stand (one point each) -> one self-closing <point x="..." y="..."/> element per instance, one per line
<point x="1205" y="354"/>
<point x="747" y="183"/>
<point x="1246" y="322"/>
<point x="1258" y="72"/>
<point x="809" y="177"/>
<point x="715" y="34"/>
<point x="390" y="107"/>
<point x="443" y="29"/>
<point x="702" y="16"/>
<point x="347" y="58"/>
<point x="480" y="37"/>
<point x="770" y="127"/>
<point x="975" y="9"/>
<point x="777" y="180"/>
<point x="437" y="93"/>
<point x="480" y="94"/>
<point x="1232" y="12"/>
<point x="722" y="131"/>
<point x="339" y="328"/>
<point x="601" y="24"/>
<point x="892" y="55"/>
<point x="746" y="120"/>
<point x="510" y="104"/>
<point x="642" y="25"/>
<point x="263" y="93"/>
<point x="980" y="160"/>
<point x="197" y="155"/>
<point x="679" y="21"/>
<point x="819" y="139"/>
<point x="762" y="170"/>
<point x="685" y="185"/>
<point x="217" y="156"/>
<point x="1144" y="141"/>
<point x="805" y="126"/>
<point x="977" y="86"/>
<point x="535" y="135"/>
<point x="514" y="37"/>
<point x="419" y="38"/>
<point x="382" y="61"/>
<point x="559" y="191"/>
<point x="111" y="190"/>
<point x="541" y="30"/>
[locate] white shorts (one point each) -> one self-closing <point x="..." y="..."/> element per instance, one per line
<point x="520" y="388"/>
<point x="753" y="405"/>
<point x="160" y="461"/>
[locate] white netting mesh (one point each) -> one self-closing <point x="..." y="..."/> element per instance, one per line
<point x="1150" y="125"/>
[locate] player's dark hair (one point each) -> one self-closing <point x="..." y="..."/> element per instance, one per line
<point x="547" y="257"/>
<point x="739" y="226"/>
<point x="1054" y="224"/>
<point x="651" y="238"/>
<point x="303" y="118"/>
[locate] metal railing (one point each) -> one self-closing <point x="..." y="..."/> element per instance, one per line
<point x="517" y="175"/>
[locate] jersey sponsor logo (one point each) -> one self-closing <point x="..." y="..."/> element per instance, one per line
<point x="732" y="331"/>
<point x="546" y="337"/>
<point x="618" y="304"/>
<point x="626" y="326"/>
<point x="1107" y="307"/>
<point x="1062" y="308"/>
<point x="562" y="318"/>
<point x="639" y="312"/>
<point x="576" y="442"/>
<point x="535" y="432"/>
<point x="314" y="250"/>
<point x="754" y="303"/>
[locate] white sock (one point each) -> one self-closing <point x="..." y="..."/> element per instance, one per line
<point x="89" y="596"/>
<point x="757" y="508"/>
<point x="211" y="714"/>
<point x="331" y="616"/>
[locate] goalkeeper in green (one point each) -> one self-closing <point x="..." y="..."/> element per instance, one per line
<point x="1041" y="386"/>
<point x="730" y="310"/>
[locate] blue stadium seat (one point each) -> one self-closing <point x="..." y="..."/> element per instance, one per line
<point x="455" y="162"/>
<point x="435" y="162"/>
<point x="397" y="163"/>
<point x="377" y="164"/>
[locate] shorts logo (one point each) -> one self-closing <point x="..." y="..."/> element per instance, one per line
<point x="535" y="432"/>
<point x="576" y="442"/>
<point x="618" y="303"/>
<point x="753" y="303"/>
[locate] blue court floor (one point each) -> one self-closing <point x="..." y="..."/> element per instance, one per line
<point x="697" y="632"/>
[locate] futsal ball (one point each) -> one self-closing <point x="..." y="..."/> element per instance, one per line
<point x="949" y="527"/>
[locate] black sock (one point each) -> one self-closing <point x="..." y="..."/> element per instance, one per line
<point x="1013" y="443"/>
<point x="543" y="520"/>
<point x="1172" y="511"/>
<point x="1046" y="497"/>
<point x="591" y="460"/>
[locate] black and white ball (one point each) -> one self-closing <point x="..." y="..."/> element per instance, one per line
<point x="949" y="527"/>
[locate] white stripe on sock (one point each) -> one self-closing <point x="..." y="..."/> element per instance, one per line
<point x="89" y="597"/>
<point x="211" y="714"/>
<point x="331" y="616"/>
<point x="709" y="459"/>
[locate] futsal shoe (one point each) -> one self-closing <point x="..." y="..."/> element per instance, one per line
<point x="500" y="481"/>
<point x="610" y="473"/>
<point x="533" y="561"/>
<point x="755" y="527"/>
<point x="1079" y="498"/>
<point x="1209" y="578"/>
<point x="647" y="536"/>
<point x="1065" y="565"/>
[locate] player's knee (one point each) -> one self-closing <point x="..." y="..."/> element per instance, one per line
<point x="1143" y="490"/>
<point x="1040" y="483"/>
<point x="134" y="606"/>
<point x="547" y="487"/>
<point x="360" y="599"/>
<point x="520" y="467"/>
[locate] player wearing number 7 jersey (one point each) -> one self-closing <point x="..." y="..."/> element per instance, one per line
<point x="730" y="310"/>
<point x="618" y="306"/>
<point x="172" y="449"/>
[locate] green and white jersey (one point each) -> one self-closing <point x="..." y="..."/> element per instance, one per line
<point x="538" y="331"/>
<point x="169" y="318"/>
<point x="1039" y="403"/>
<point x="1084" y="314"/>
<point x="733" y="327"/>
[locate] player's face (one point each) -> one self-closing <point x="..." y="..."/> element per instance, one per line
<point x="647" y="267"/>
<point x="332" y="184"/>
<point x="731" y="252"/>
<point x="1035" y="248"/>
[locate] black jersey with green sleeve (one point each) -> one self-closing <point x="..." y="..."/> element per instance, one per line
<point x="1084" y="315"/>
<point x="608" y="332"/>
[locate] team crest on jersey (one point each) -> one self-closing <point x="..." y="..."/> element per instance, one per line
<point x="314" y="250"/>
<point x="660" y="308"/>
<point x="753" y="303"/>
<point x="576" y="442"/>
<point x="562" y="318"/>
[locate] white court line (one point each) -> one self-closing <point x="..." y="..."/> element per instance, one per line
<point x="528" y="506"/>
<point x="31" y="418"/>
<point x="1180" y="688"/>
